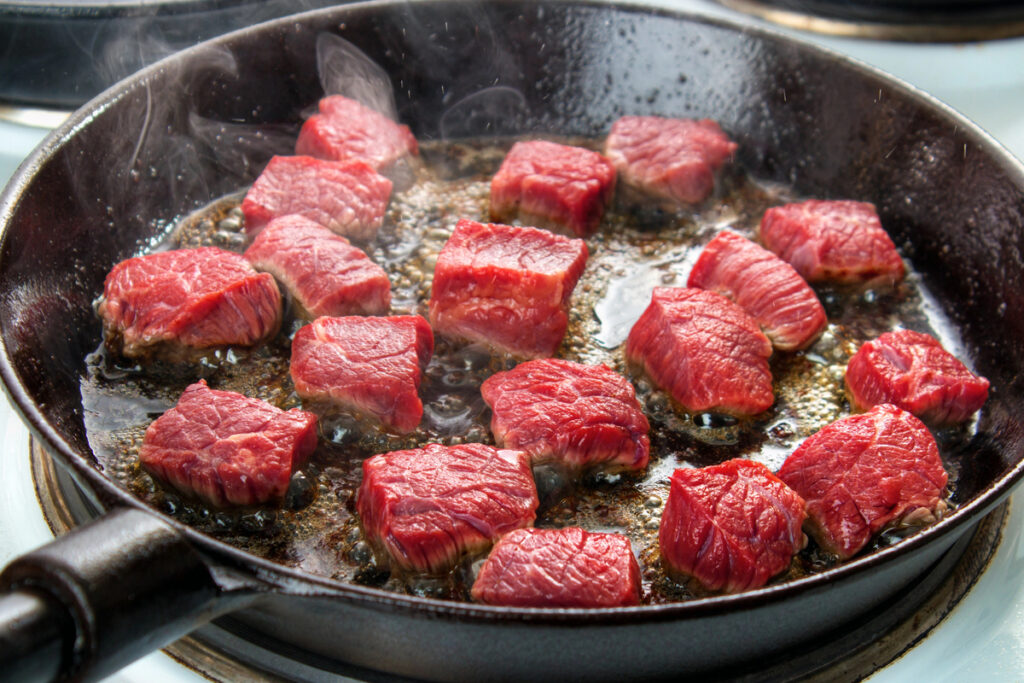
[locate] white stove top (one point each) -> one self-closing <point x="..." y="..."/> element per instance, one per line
<point x="981" y="640"/>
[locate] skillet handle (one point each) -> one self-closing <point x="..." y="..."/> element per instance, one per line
<point x="100" y="597"/>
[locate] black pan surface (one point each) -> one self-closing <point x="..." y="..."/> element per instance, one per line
<point x="105" y="185"/>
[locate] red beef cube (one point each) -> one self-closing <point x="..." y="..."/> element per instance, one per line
<point x="675" y="159"/>
<point x="578" y="415"/>
<point x="912" y="370"/>
<point x="345" y="130"/>
<point x="325" y="274"/>
<point x="372" y="366"/>
<point x="567" y="567"/>
<point x="172" y="301"/>
<point x="704" y="350"/>
<point x="506" y="287"/>
<point x="553" y="186"/>
<point x="865" y="472"/>
<point x="347" y="197"/>
<point x="226" y="448"/>
<point x="833" y="241"/>
<point x="428" y="507"/>
<point x="732" y="526"/>
<point x="765" y="286"/>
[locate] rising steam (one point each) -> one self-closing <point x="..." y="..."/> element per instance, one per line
<point x="491" y="111"/>
<point x="346" y="70"/>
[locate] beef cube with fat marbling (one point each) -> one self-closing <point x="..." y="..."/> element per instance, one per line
<point x="552" y="186"/>
<point x="865" y="472"/>
<point x="226" y="448"/>
<point x="765" y="286"/>
<point x="371" y="366"/>
<point x="704" y="350"/>
<point x="838" y="241"/>
<point x="427" y="508"/>
<point x="346" y="130"/>
<point x="675" y="159"/>
<point x="506" y="287"/>
<point x="568" y="567"/>
<point x="348" y="197"/>
<point x="174" y="302"/>
<point x="911" y="370"/>
<point x="732" y="526"/>
<point x="580" y="416"/>
<point x="326" y="275"/>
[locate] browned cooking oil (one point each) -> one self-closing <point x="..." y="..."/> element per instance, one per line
<point x="636" y="249"/>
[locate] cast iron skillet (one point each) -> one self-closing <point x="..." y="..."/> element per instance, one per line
<point x="148" y="150"/>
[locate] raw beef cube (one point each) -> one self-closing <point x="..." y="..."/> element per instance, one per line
<point x="765" y="286"/>
<point x="506" y="287"/>
<point x="832" y="241"/>
<point x="912" y="370"/>
<point x="325" y="274"/>
<point x="347" y="197"/>
<point x="187" y="298"/>
<point x="865" y="472"/>
<point x="731" y="526"/>
<point x="671" y="158"/>
<point x="226" y="448"/>
<point x="554" y="186"/>
<point x="428" y="507"/>
<point x="578" y="415"/>
<point x="567" y="567"/>
<point x="345" y="130"/>
<point x="704" y="350"/>
<point x="372" y="366"/>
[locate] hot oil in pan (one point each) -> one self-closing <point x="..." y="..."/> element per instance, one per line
<point x="634" y="251"/>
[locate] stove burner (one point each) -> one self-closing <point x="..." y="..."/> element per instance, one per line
<point x="226" y="651"/>
<point x="937" y="21"/>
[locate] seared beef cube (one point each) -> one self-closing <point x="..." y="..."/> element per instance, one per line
<point x="553" y="186"/>
<point x="347" y="197"/>
<point x="865" y="472"/>
<point x="325" y="274"/>
<point x="580" y="416"/>
<point x="833" y="241"/>
<point x="732" y="526"/>
<point x="675" y="159"/>
<point x="371" y="366"/>
<point x="567" y="567"/>
<point x="912" y="370"/>
<point x="187" y="299"/>
<point x="226" y="448"/>
<point x="506" y="287"/>
<point x="428" y="507"/>
<point x="765" y="286"/>
<point x="704" y="350"/>
<point x="345" y="130"/>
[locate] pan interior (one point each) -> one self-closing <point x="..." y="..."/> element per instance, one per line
<point x="636" y="249"/>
